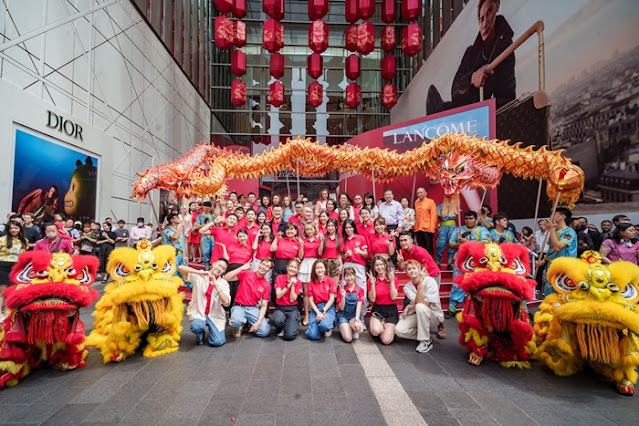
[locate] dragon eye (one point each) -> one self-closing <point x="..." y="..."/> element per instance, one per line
<point x="563" y="282"/>
<point x="630" y="292"/>
<point x="503" y="260"/>
<point x="483" y="260"/>
<point x="71" y="272"/>
<point x="121" y="271"/>
<point x="168" y="268"/>
<point x="613" y="287"/>
<point x="42" y="274"/>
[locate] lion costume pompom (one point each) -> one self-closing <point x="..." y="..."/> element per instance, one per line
<point x="591" y="318"/>
<point x="142" y="300"/>
<point x="43" y="325"/>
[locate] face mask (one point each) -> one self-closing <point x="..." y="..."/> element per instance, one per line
<point x="51" y="234"/>
<point x="580" y="228"/>
<point x="140" y="223"/>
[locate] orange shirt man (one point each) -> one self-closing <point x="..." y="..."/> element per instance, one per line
<point x="425" y="220"/>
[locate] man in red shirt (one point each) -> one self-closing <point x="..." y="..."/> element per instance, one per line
<point x="224" y="235"/>
<point x="277" y="224"/>
<point x="53" y="242"/>
<point x="251" y="227"/>
<point x="251" y="300"/>
<point x="411" y="251"/>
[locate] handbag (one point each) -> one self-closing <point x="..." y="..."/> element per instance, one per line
<point x="86" y="248"/>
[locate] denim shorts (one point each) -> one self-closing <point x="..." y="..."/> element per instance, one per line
<point x="344" y="317"/>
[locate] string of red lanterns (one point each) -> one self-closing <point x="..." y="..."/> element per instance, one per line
<point x="389" y="43"/>
<point x="229" y="33"/>
<point x="318" y="42"/>
<point x="273" y="42"/>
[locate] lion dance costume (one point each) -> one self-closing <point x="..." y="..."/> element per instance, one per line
<point x="43" y="325"/>
<point x="593" y="318"/>
<point x="143" y="300"/>
<point x="494" y="322"/>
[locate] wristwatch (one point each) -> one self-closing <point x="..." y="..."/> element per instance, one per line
<point x="323" y="311"/>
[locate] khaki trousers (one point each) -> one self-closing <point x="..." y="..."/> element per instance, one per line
<point x="416" y="326"/>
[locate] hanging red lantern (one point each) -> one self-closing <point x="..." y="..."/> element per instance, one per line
<point x="240" y="33"/>
<point x="412" y="39"/>
<point x="350" y="36"/>
<point x="224" y="6"/>
<point x="317" y="8"/>
<point x="411" y="9"/>
<point x="389" y="13"/>
<point x="318" y="36"/>
<point x="238" y="92"/>
<point x="351" y="11"/>
<point x="314" y="65"/>
<point x="272" y="35"/>
<point x="389" y="38"/>
<point x="224" y="32"/>
<point x="366" y="8"/>
<point x="274" y="8"/>
<point x="389" y="95"/>
<point x="239" y="9"/>
<point x="352" y="67"/>
<point x="276" y="94"/>
<point x="315" y="94"/>
<point x="365" y="37"/>
<point x="353" y="95"/>
<point x="238" y="63"/>
<point x="388" y="67"/>
<point x="277" y="65"/>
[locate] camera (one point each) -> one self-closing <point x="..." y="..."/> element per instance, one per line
<point x="465" y="235"/>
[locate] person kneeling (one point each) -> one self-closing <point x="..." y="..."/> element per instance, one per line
<point x="210" y="297"/>
<point x="350" y="300"/>
<point x="321" y="296"/>
<point x="382" y="292"/>
<point x="286" y="318"/>
<point x="415" y="322"/>
<point x="251" y="300"/>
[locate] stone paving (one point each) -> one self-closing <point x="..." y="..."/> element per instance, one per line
<point x="253" y="381"/>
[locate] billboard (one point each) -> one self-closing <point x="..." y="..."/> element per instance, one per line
<point x="50" y="177"/>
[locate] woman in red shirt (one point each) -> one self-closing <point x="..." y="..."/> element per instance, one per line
<point x="262" y="249"/>
<point x="381" y="243"/>
<point x="321" y="297"/>
<point x="342" y="216"/>
<point x="322" y="221"/>
<point x="382" y="292"/>
<point x="286" y="317"/>
<point x="238" y="253"/>
<point x="274" y="202"/>
<point x="329" y="250"/>
<point x="331" y="209"/>
<point x="310" y="247"/>
<point x="350" y="301"/>
<point x="286" y="247"/>
<point x="354" y="252"/>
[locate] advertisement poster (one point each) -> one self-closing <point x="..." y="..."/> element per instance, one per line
<point x="49" y="177"/>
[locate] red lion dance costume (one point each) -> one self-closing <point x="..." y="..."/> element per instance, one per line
<point x="494" y="322"/>
<point x="43" y="324"/>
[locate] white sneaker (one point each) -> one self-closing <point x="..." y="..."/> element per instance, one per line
<point x="280" y="334"/>
<point x="355" y="336"/>
<point x="424" y="346"/>
<point x="328" y="333"/>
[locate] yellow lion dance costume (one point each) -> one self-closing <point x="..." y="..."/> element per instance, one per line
<point x="592" y="318"/>
<point x="142" y="300"/>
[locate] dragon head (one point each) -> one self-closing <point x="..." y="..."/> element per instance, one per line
<point x="50" y="289"/>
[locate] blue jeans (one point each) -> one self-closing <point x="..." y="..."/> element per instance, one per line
<point x="457" y="295"/>
<point x="216" y="337"/>
<point x="315" y="328"/>
<point x="179" y="261"/>
<point x="443" y="237"/>
<point x="241" y="315"/>
<point x="206" y="243"/>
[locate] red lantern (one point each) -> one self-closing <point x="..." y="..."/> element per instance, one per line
<point x="238" y="92"/>
<point x="240" y="33"/>
<point x="388" y="67"/>
<point x="412" y="39"/>
<point x="277" y="65"/>
<point x="350" y="35"/>
<point x="352" y="67"/>
<point x="365" y="37"/>
<point x="389" y="95"/>
<point x="315" y="94"/>
<point x="411" y="9"/>
<point x="389" y="38"/>
<point x="314" y="65"/>
<point x="317" y="8"/>
<point x="318" y="36"/>
<point x="238" y="63"/>
<point x="366" y="8"/>
<point x="353" y="95"/>
<point x="224" y="6"/>
<point x="276" y="94"/>
<point x="274" y="8"/>
<point x="351" y="11"/>
<point x="389" y="13"/>
<point x="224" y="32"/>
<point x="272" y="35"/>
<point x="239" y="9"/>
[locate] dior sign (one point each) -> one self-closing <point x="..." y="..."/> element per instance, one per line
<point x="68" y="127"/>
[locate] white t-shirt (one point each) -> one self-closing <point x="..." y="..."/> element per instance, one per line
<point x="197" y="306"/>
<point x="431" y="294"/>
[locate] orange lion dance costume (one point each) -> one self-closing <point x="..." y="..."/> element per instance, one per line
<point x="43" y="325"/>
<point x="494" y="322"/>
<point x="592" y="318"/>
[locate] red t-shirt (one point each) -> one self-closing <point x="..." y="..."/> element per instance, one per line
<point x="423" y="257"/>
<point x="275" y="226"/>
<point x="294" y="219"/>
<point x="238" y="253"/>
<point x="356" y="289"/>
<point x="310" y="247"/>
<point x="282" y="281"/>
<point x="321" y="290"/>
<point x="322" y="229"/>
<point x="330" y="251"/>
<point x="366" y="230"/>
<point x="263" y="249"/>
<point x="356" y="241"/>
<point x="378" y="244"/>
<point x="333" y="215"/>
<point x="241" y="224"/>
<point x="382" y="291"/>
<point x="287" y="248"/>
<point x="252" y="233"/>
<point x="252" y="289"/>
<point x="223" y="236"/>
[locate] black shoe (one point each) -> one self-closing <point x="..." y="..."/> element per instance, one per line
<point x="450" y="266"/>
<point x="449" y="314"/>
<point x="199" y="342"/>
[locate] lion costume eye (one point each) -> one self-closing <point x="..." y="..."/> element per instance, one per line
<point x="168" y="268"/>
<point x="469" y="264"/>
<point x="630" y="292"/>
<point x="42" y="274"/>
<point x="84" y="276"/>
<point x="564" y="282"/>
<point x="121" y="271"/>
<point x="518" y="267"/>
<point x="26" y="275"/>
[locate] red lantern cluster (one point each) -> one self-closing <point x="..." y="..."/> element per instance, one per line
<point x="389" y="95"/>
<point x="273" y="41"/>
<point x="411" y="34"/>
<point x="224" y="32"/>
<point x="229" y="33"/>
<point x="389" y="38"/>
<point x="318" y="42"/>
<point x="350" y="36"/>
<point x="365" y="37"/>
<point x="318" y="36"/>
<point x="272" y="35"/>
